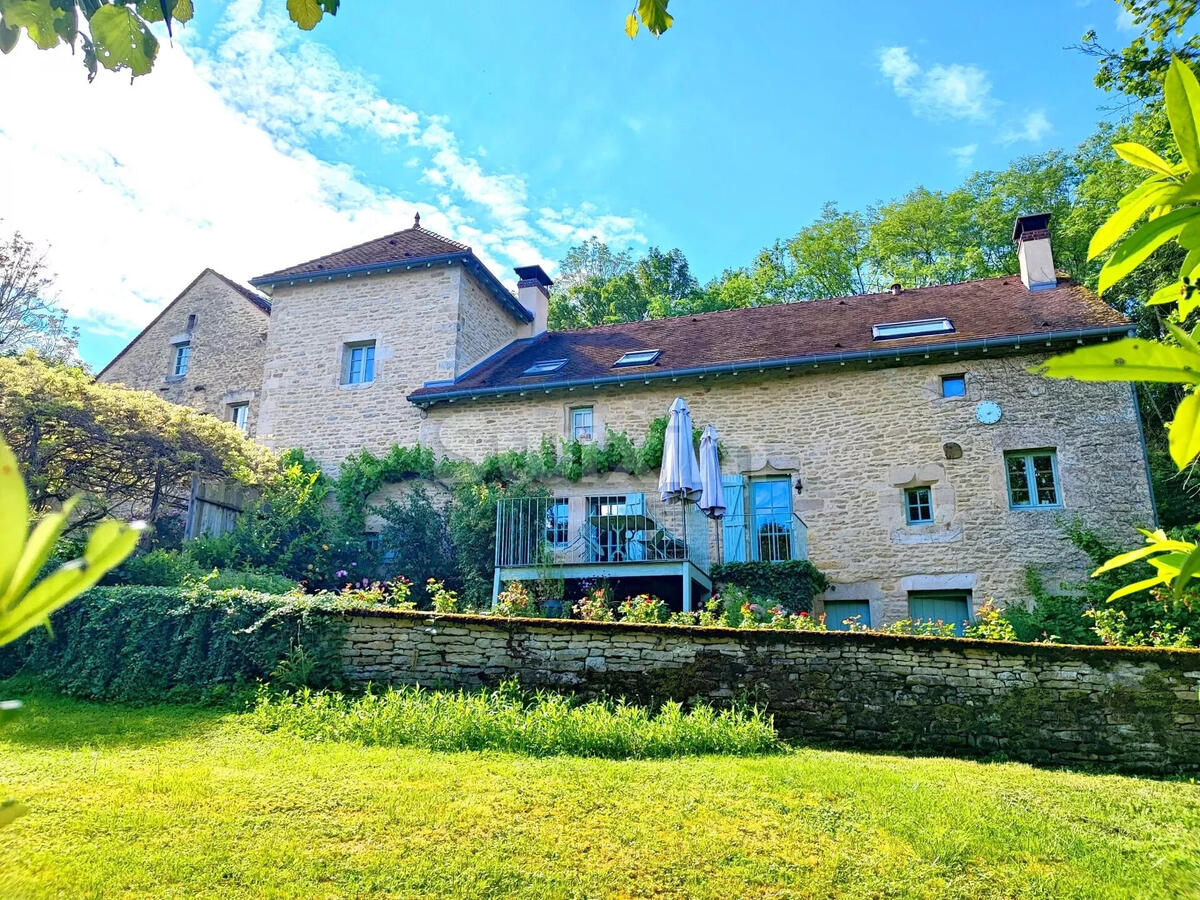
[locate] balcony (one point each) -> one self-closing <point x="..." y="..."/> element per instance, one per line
<point x="629" y="535"/>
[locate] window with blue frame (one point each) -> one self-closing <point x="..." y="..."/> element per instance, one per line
<point x="358" y="365"/>
<point x="1032" y="479"/>
<point x="558" y="530"/>
<point x="771" y="518"/>
<point x="954" y="385"/>
<point x="918" y="505"/>
<point x="183" y="354"/>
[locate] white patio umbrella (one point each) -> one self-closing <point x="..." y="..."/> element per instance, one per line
<point x="679" y="479"/>
<point x="712" y="492"/>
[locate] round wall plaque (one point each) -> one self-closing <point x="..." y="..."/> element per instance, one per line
<point x="988" y="412"/>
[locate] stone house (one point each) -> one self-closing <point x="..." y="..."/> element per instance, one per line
<point x="206" y="350"/>
<point x="902" y="441"/>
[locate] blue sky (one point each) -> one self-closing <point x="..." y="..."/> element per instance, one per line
<point x="519" y="128"/>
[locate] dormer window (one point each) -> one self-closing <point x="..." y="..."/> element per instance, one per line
<point x="917" y="328"/>
<point x="183" y="353"/>
<point x="637" y="358"/>
<point x="544" y="367"/>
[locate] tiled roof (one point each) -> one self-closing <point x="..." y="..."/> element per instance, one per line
<point x="400" y="246"/>
<point x="984" y="310"/>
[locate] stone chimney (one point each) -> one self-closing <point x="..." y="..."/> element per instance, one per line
<point x="1032" y="235"/>
<point x="533" y="293"/>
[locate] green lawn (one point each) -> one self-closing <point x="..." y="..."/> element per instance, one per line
<point x="178" y="802"/>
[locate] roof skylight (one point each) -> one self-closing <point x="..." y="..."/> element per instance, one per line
<point x="544" y="367"/>
<point x="916" y="328"/>
<point x="637" y="358"/>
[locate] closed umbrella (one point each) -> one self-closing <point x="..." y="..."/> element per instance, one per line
<point x="712" y="492"/>
<point x="679" y="479"/>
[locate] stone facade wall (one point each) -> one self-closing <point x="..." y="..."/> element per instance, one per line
<point x="853" y="439"/>
<point x="1130" y="709"/>
<point x="417" y="321"/>
<point x="484" y="326"/>
<point x="228" y="349"/>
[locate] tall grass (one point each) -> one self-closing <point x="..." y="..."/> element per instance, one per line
<point x="540" y="724"/>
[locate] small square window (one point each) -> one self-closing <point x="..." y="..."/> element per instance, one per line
<point x="918" y="505"/>
<point x="954" y="385"/>
<point x="581" y="423"/>
<point x="358" y="363"/>
<point x="183" y="354"/>
<point x="1032" y="479"/>
<point x="238" y="413"/>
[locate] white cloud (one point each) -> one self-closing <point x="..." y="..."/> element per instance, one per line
<point x="964" y="155"/>
<point x="940" y="91"/>
<point x="1125" y="21"/>
<point x="205" y="163"/>
<point x="1032" y="127"/>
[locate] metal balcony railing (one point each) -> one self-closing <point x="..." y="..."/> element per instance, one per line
<point x="599" y="529"/>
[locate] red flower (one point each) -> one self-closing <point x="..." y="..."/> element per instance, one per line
<point x="804" y="615"/>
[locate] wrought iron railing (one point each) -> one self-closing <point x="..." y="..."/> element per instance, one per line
<point x="770" y="537"/>
<point x="599" y="528"/>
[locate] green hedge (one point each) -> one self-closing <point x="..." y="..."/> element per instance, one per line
<point x="792" y="583"/>
<point x="148" y="644"/>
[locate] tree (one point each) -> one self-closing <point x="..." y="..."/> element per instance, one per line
<point x="123" y="450"/>
<point x="28" y="318"/>
<point x="1138" y="69"/>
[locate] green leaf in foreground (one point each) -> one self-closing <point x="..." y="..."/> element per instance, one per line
<point x="1183" y="434"/>
<point x="305" y="13"/>
<point x="122" y="40"/>
<point x="1136" y="248"/>
<point x="1183" y="105"/>
<point x="1129" y="359"/>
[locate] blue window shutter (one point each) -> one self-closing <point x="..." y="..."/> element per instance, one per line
<point x="733" y="526"/>
<point x="837" y="611"/>
<point x="951" y="607"/>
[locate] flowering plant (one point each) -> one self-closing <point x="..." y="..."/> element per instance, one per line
<point x="594" y="607"/>
<point x="643" y="608"/>
<point x="515" y="601"/>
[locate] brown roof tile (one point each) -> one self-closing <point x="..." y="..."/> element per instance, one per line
<point x="985" y="309"/>
<point x="400" y="246"/>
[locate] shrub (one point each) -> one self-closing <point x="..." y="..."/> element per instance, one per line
<point x="541" y="724"/>
<point x="644" y="609"/>
<point x="363" y="594"/>
<point x="791" y="583"/>
<point x="158" y="568"/>
<point x="415" y="541"/>
<point x="147" y="644"/>
<point x="936" y="628"/>
<point x="442" y="600"/>
<point x="990" y="624"/>
<point x="1051" y="618"/>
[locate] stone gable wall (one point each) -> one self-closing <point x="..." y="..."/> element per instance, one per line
<point x="484" y="326"/>
<point x="1115" y="707"/>
<point x="228" y="350"/>
<point x="853" y="439"/>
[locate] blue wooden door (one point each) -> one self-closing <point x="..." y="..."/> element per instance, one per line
<point x="837" y="611"/>
<point x="951" y="607"/>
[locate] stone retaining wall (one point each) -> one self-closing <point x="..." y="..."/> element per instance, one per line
<point x="1133" y="709"/>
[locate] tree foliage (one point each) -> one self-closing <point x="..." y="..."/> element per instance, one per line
<point x="120" y="449"/>
<point x="1138" y="69"/>
<point x="29" y="318"/>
